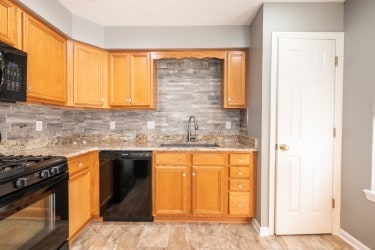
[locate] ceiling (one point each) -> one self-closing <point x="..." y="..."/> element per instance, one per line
<point x="169" y="12"/>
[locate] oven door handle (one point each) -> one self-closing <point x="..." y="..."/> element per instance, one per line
<point x="18" y="200"/>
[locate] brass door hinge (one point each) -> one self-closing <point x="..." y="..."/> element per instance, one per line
<point x="333" y="203"/>
<point x="334" y="132"/>
<point x="336" y="61"/>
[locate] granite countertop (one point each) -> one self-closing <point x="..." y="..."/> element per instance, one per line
<point x="78" y="148"/>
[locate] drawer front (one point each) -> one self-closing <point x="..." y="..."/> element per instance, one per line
<point x="239" y="159"/>
<point x="239" y="203"/>
<point x="239" y="185"/>
<point x="209" y="159"/>
<point x="79" y="163"/>
<point x="171" y="158"/>
<point x="239" y="172"/>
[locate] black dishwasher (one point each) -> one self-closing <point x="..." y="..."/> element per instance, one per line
<point x="125" y="185"/>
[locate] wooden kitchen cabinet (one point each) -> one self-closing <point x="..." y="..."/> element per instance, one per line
<point x="235" y="80"/>
<point x="8" y="22"/>
<point x="241" y="188"/>
<point x="208" y="184"/>
<point x="170" y="183"/>
<point x="46" y="62"/>
<point x="87" y="83"/>
<point x="131" y="80"/>
<point x="83" y="191"/>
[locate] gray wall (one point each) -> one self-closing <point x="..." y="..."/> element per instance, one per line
<point x="177" y="37"/>
<point x="357" y="214"/>
<point x="285" y="17"/>
<point x="254" y="111"/>
<point x="185" y="87"/>
<point x="156" y="37"/>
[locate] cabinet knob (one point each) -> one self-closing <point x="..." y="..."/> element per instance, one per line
<point x="193" y="174"/>
<point x="79" y="164"/>
<point x="240" y="173"/>
<point x="183" y="174"/>
<point x="239" y="204"/>
<point x="239" y="160"/>
<point x="102" y="99"/>
<point x="240" y="186"/>
<point x="229" y="99"/>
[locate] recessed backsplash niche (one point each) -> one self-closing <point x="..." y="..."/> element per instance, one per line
<point x="185" y="87"/>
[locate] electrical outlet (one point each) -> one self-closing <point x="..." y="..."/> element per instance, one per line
<point x="228" y="125"/>
<point x="151" y="124"/>
<point x="38" y="125"/>
<point x="112" y="125"/>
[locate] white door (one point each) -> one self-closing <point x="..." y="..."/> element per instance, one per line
<point x="304" y="136"/>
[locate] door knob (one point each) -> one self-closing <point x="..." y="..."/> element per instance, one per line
<point x="284" y="147"/>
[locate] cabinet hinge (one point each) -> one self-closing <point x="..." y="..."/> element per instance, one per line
<point x="336" y="61"/>
<point x="333" y="203"/>
<point x="334" y="132"/>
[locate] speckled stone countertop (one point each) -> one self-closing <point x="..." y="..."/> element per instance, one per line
<point x="73" y="146"/>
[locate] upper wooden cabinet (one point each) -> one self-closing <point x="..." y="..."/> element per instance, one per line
<point x="235" y="83"/>
<point x="46" y="62"/>
<point x="88" y="67"/>
<point x="8" y="22"/>
<point x="131" y="80"/>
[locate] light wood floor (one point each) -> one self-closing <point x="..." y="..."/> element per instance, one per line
<point x="141" y="235"/>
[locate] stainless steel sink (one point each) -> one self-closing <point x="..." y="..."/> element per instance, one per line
<point x="190" y="145"/>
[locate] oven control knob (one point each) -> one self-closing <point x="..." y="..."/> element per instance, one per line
<point x="21" y="182"/>
<point x="44" y="174"/>
<point x="55" y="170"/>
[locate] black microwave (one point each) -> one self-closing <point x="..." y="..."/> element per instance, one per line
<point x="13" y="71"/>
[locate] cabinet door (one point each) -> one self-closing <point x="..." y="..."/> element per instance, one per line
<point x="88" y="76"/>
<point x="170" y="186"/>
<point x="46" y="62"/>
<point x="79" y="201"/>
<point x="235" y="81"/>
<point x="8" y="22"/>
<point x="119" y="85"/>
<point x="207" y="190"/>
<point x="140" y="78"/>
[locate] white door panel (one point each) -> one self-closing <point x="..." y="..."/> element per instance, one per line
<point x="305" y="121"/>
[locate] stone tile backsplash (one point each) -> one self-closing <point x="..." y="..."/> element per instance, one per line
<point x="185" y="87"/>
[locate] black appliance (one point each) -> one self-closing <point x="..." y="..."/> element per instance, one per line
<point x="125" y="185"/>
<point x="33" y="202"/>
<point x="13" y="71"/>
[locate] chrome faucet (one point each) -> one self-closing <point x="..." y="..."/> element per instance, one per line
<point x="192" y="137"/>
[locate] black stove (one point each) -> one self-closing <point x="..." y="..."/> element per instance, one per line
<point x="20" y="171"/>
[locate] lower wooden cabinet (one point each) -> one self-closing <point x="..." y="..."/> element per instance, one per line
<point x="83" y="191"/>
<point x="208" y="185"/>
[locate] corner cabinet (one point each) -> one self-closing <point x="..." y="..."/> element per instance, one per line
<point x="87" y="80"/>
<point x="203" y="186"/>
<point x="235" y="80"/>
<point x="46" y="63"/>
<point x="83" y="191"/>
<point x="131" y="80"/>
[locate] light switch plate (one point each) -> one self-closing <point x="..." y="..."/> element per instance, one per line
<point x="112" y="125"/>
<point x="150" y="124"/>
<point x="228" y="125"/>
<point x="39" y="126"/>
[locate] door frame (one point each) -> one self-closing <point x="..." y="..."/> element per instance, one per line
<point x="339" y="38"/>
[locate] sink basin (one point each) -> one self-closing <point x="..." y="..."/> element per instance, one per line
<point x="190" y="145"/>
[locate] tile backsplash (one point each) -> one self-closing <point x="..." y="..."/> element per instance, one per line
<point x="185" y="87"/>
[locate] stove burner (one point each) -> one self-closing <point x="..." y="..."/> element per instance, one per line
<point x="10" y="162"/>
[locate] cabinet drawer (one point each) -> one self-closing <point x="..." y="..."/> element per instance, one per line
<point x="239" y="203"/>
<point x="239" y="159"/>
<point x="239" y="185"/>
<point x="79" y="163"/>
<point x="239" y="172"/>
<point x="208" y="159"/>
<point x="171" y="158"/>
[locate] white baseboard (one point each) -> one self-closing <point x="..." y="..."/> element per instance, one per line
<point x="352" y="241"/>
<point x="262" y="231"/>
